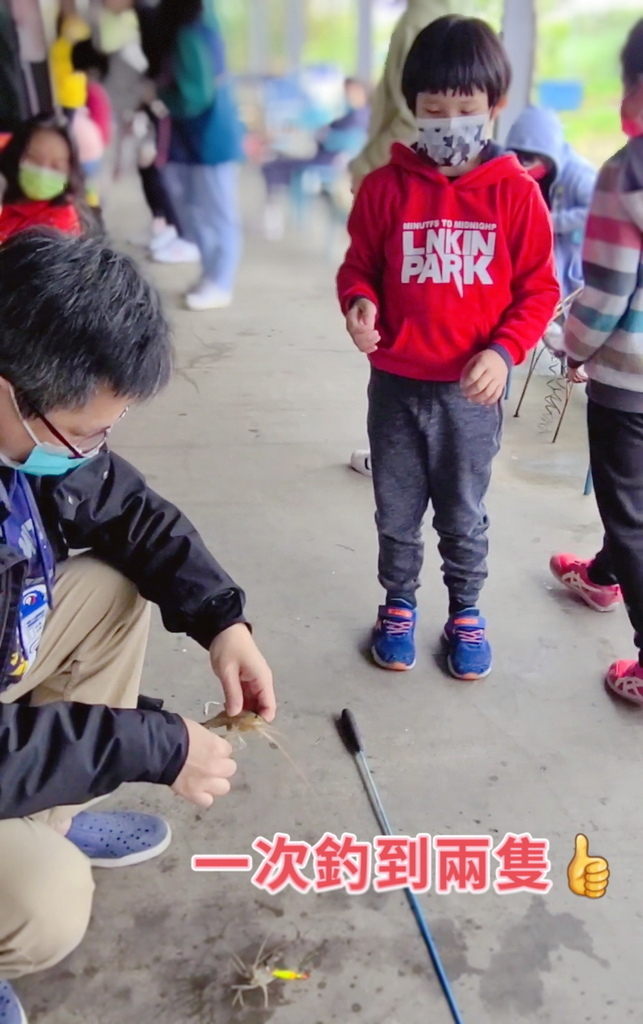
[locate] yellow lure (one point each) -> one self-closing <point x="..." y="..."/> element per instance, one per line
<point x="289" y="975"/>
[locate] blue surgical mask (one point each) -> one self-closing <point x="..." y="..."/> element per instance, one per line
<point x="44" y="459"/>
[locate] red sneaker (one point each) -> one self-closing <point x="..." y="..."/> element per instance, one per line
<point x="626" y="679"/>
<point x="572" y="573"/>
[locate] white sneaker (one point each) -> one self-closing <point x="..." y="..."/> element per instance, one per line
<point x="207" y="295"/>
<point x="361" y="462"/>
<point x="160" y="239"/>
<point x="178" y="251"/>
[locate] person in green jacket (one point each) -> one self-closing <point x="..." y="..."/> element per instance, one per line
<point x="205" y="145"/>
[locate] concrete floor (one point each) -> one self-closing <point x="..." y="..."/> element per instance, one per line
<point x="252" y="439"/>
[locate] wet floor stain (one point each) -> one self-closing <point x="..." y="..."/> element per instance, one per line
<point x="514" y="980"/>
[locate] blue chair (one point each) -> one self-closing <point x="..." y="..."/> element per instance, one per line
<point x="308" y="183"/>
<point x="321" y="180"/>
<point x="561" y="95"/>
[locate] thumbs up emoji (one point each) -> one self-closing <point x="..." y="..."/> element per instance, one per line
<point x="587" y="876"/>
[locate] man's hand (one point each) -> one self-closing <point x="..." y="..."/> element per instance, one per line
<point x="360" y="324"/>
<point x="208" y="766"/>
<point x="244" y="673"/>
<point x="484" y="378"/>
<point x="576" y="375"/>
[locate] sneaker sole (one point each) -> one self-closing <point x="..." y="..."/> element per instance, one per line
<point x="396" y="666"/>
<point x="204" y="309"/>
<point x="23" y="1015"/>
<point x="156" y="258"/>
<point x="469" y="677"/>
<point x="134" y="858"/>
<point x="630" y="698"/>
<point x="585" y="597"/>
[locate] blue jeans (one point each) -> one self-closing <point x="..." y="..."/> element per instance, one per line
<point x="207" y="202"/>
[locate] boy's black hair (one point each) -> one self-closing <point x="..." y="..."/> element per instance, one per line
<point x="459" y="54"/>
<point x="632" y="57"/>
<point x="13" y="152"/>
<point x="75" y="316"/>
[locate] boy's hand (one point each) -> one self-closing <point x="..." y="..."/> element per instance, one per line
<point x="484" y="378"/>
<point x="360" y="324"/>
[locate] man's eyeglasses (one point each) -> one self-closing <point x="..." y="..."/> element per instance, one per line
<point x="90" y="447"/>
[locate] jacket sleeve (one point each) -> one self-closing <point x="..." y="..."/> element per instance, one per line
<point x="107" y="507"/>
<point x="535" y="287"/>
<point x="360" y="274"/>
<point x="580" y="189"/>
<point x="194" y="87"/>
<point x="68" y="753"/>
<point x="611" y="256"/>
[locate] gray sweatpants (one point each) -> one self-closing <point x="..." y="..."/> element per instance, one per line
<point x="430" y="444"/>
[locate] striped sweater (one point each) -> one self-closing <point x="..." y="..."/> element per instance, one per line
<point x="605" y="327"/>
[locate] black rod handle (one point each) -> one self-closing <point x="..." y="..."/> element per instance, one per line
<point x="349" y="732"/>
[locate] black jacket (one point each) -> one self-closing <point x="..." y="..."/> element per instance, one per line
<point x="67" y="753"/>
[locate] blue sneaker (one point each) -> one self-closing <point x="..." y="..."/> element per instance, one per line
<point x="117" y="839"/>
<point x="394" y="636"/>
<point x="469" y="654"/>
<point x="11" y="1011"/>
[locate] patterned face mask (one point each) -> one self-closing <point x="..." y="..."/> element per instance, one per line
<point x="452" y="141"/>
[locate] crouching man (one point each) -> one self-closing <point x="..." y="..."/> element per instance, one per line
<point x="82" y="339"/>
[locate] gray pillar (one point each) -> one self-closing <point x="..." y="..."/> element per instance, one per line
<point x="259" y="57"/>
<point x="519" y="37"/>
<point x="365" y="40"/>
<point x="296" y="33"/>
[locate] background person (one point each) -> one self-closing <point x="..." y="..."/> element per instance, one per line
<point x="336" y="142"/>
<point x="139" y="112"/>
<point x="604" y="337"/>
<point x="205" y="144"/>
<point x="566" y="181"/>
<point x="44" y="185"/>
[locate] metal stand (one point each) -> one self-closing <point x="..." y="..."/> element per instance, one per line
<point x="535" y="356"/>
<point x="589" y="483"/>
<point x="569" y="387"/>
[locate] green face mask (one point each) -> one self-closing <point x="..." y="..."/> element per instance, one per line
<point x="41" y="182"/>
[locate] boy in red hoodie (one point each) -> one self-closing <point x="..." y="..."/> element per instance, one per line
<point x="448" y="282"/>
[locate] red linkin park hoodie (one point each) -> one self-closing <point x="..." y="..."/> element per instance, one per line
<point x="454" y="265"/>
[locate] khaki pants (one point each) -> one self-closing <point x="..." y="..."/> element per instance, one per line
<point x="92" y="651"/>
